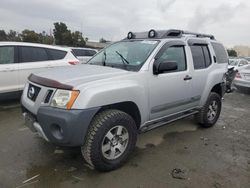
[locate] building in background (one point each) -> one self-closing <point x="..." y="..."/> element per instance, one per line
<point x="96" y="45"/>
<point x="242" y="51"/>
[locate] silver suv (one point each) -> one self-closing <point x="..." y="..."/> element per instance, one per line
<point x="142" y="82"/>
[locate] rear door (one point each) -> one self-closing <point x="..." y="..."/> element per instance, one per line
<point x="8" y="69"/>
<point x="31" y="60"/>
<point x="202" y="61"/>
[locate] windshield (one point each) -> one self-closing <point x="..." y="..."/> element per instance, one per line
<point x="128" y="55"/>
<point x="233" y="62"/>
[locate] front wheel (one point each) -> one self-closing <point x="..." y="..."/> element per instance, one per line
<point x="210" y="112"/>
<point x="110" y="140"/>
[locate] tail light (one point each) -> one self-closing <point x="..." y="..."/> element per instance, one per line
<point x="238" y="75"/>
<point x="74" y="62"/>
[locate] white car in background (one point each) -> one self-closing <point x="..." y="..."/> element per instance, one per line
<point x="83" y="54"/>
<point x="242" y="79"/>
<point x="238" y="63"/>
<point x="19" y="59"/>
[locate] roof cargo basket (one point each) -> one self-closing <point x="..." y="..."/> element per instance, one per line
<point x="199" y="35"/>
<point x="160" y="34"/>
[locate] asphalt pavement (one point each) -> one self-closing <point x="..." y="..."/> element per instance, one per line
<point x="180" y="154"/>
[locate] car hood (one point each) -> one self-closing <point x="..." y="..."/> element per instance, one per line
<point x="77" y="75"/>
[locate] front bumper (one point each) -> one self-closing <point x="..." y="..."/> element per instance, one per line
<point x="59" y="126"/>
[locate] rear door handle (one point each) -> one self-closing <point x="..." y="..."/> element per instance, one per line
<point x="187" y="77"/>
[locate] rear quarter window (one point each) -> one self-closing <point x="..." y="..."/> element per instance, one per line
<point x="220" y="52"/>
<point x="56" y="54"/>
<point x="83" y="52"/>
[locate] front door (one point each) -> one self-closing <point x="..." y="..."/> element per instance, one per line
<point x="170" y="92"/>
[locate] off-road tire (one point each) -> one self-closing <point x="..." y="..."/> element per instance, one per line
<point x="102" y="123"/>
<point x="202" y="116"/>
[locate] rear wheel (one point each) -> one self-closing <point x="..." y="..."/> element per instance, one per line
<point x="111" y="138"/>
<point x="210" y="112"/>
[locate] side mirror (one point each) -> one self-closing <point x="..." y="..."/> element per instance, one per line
<point x="164" y="66"/>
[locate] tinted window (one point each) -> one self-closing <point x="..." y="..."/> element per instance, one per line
<point x="176" y="54"/>
<point x="6" y="55"/>
<point x="206" y="56"/>
<point x="56" y="54"/>
<point x="220" y="52"/>
<point x="83" y="52"/>
<point x="201" y="56"/>
<point x="79" y="52"/>
<point x="90" y="52"/>
<point x="33" y="54"/>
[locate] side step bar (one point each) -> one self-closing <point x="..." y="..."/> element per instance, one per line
<point x="167" y="120"/>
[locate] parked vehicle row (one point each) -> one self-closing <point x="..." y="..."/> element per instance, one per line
<point x="242" y="79"/>
<point x="237" y="63"/>
<point x="239" y="73"/>
<point x="18" y="60"/>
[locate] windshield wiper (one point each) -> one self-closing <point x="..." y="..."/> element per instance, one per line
<point x="123" y="58"/>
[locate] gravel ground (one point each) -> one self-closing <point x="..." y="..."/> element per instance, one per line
<point x="180" y="154"/>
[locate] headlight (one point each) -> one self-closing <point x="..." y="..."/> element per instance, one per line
<point x="64" y="98"/>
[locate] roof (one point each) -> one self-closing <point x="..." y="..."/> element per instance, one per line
<point x="33" y="45"/>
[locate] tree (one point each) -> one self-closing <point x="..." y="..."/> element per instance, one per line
<point x="30" y="36"/>
<point x="3" y="36"/>
<point x="102" y="40"/>
<point x="13" y="36"/>
<point x="232" y="53"/>
<point x="47" y="39"/>
<point x="78" y="40"/>
<point x="62" y="34"/>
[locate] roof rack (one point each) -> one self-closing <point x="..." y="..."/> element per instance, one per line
<point x="160" y="34"/>
<point x="200" y="35"/>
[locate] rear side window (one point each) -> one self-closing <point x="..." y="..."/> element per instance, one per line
<point x="220" y="52"/>
<point x="201" y="56"/>
<point x="6" y="55"/>
<point x="33" y="54"/>
<point x="56" y="54"/>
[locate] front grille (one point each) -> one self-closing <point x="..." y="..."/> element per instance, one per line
<point x="33" y="92"/>
<point x="48" y="96"/>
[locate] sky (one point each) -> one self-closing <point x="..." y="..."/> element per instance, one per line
<point x="228" y="20"/>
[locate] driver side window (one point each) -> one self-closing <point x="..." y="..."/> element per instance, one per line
<point x="174" y="54"/>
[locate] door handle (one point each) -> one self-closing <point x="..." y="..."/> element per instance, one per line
<point x="187" y="77"/>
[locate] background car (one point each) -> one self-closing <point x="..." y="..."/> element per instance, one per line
<point x="247" y="58"/>
<point x="237" y="63"/>
<point x="242" y="79"/>
<point x="84" y="54"/>
<point x="18" y="60"/>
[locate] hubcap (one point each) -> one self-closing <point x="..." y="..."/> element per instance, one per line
<point x="115" y="142"/>
<point x="212" y="111"/>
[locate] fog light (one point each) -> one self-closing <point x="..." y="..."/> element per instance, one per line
<point x="56" y="131"/>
